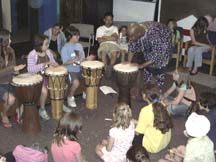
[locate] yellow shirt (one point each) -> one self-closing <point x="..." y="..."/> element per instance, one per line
<point x="153" y="140"/>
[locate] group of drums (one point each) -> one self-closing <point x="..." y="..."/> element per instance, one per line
<point x="28" y="89"/>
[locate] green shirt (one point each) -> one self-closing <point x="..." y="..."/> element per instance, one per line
<point x="199" y="150"/>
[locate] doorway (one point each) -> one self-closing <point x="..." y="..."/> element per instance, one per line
<point x="20" y="12"/>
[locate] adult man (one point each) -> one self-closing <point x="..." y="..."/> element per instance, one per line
<point x="107" y="36"/>
<point x="153" y="40"/>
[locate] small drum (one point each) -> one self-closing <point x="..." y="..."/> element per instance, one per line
<point x="126" y="75"/>
<point x="57" y="86"/>
<point x="92" y="73"/>
<point x="28" y="90"/>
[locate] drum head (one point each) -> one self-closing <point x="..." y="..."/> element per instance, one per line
<point x="56" y="71"/>
<point x="27" y="79"/>
<point x="92" y="64"/>
<point x="126" y="68"/>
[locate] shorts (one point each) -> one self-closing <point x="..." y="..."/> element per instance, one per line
<point x="108" y="48"/>
<point x="5" y="88"/>
<point x="74" y="76"/>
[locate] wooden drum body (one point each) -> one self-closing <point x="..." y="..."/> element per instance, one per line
<point x="28" y="90"/>
<point x="92" y="73"/>
<point x="126" y="75"/>
<point x="57" y="86"/>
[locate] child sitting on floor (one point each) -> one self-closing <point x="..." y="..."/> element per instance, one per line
<point x="153" y="130"/>
<point x="186" y="95"/>
<point x="137" y="154"/>
<point x="120" y="138"/>
<point x="65" y="146"/>
<point x="199" y="147"/>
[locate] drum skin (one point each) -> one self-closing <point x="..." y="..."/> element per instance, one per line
<point x="57" y="86"/>
<point x="92" y="76"/>
<point x="29" y="96"/>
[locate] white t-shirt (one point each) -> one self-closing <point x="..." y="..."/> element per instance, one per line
<point x="104" y="31"/>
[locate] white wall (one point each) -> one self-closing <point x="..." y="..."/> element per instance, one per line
<point x="6" y="14"/>
<point x="133" y="11"/>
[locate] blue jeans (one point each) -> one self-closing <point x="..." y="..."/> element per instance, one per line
<point x="180" y="109"/>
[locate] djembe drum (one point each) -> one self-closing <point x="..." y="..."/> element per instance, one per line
<point x="28" y="90"/>
<point x="57" y="87"/>
<point x="92" y="73"/>
<point x="126" y="75"/>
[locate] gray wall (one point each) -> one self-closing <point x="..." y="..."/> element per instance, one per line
<point x="178" y="9"/>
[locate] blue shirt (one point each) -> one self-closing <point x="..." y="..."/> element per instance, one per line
<point x="211" y="115"/>
<point x="69" y="52"/>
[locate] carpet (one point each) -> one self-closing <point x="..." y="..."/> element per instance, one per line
<point x="200" y="78"/>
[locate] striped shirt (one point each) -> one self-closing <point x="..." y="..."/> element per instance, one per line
<point x="32" y="65"/>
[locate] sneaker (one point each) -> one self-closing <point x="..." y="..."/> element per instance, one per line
<point x="84" y="95"/>
<point x="66" y="109"/>
<point x="71" y="101"/>
<point x="43" y="114"/>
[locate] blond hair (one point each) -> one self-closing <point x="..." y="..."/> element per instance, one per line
<point x="122" y="116"/>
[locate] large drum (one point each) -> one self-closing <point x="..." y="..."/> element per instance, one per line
<point x="28" y="90"/>
<point x="126" y="75"/>
<point x="57" y="86"/>
<point x="92" y="73"/>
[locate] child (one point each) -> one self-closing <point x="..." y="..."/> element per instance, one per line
<point x="7" y="69"/>
<point x="153" y="130"/>
<point x="175" y="34"/>
<point x="72" y="55"/>
<point x="137" y="154"/>
<point x="186" y="95"/>
<point x="65" y="147"/>
<point x="199" y="147"/>
<point x="120" y="136"/>
<point x="38" y="60"/>
<point x="208" y="104"/>
<point x="123" y="42"/>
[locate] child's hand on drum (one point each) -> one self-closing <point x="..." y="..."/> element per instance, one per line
<point x="19" y="67"/>
<point x="47" y="63"/>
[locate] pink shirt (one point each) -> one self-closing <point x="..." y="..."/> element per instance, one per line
<point x="67" y="152"/>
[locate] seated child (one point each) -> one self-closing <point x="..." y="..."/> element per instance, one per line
<point x="123" y="42"/>
<point x="153" y="130"/>
<point x="64" y="145"/>
<point x="208" y="103"/>
<point x="186" y="95"/>
<point x="137" y="154"/>
<point x="199" y="147"/>
<point x="72" y="55"/>
<point x="38" y="60"/>
<point x="176" y="36"/>
<point x="121" y="134"/>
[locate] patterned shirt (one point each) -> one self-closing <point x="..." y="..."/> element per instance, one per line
<point x="156" y="44"/>
<point x="199" y="150"/>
